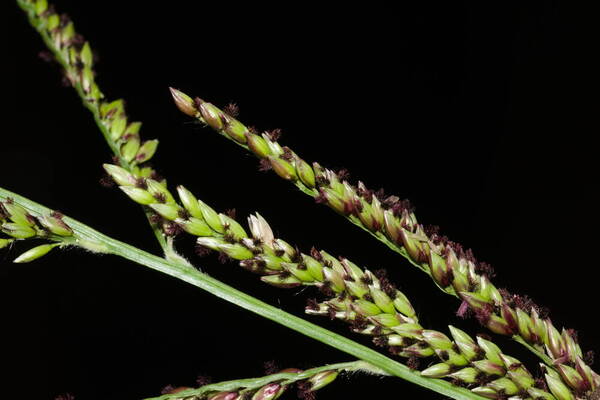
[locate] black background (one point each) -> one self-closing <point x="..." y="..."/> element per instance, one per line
<point x="476" y="112"/>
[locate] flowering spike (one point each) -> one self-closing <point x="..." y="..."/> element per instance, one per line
<point x="454" y="269"/>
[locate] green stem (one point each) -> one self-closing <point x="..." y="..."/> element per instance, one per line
<point x="256" y="383"/>
<point x="93" y="107"/>
<point x="94" y="240"/>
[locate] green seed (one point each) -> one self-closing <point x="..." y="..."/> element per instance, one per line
<point x="540" y="394"/>
<point x="403" y="305"/>
<point x="117" y="126"/>
<point x="437" y="340"/>
<point x="233" y="227"/>
<point x="53" y="21"/>
<point x="130" y="149"/>
<point x="5" y="242"/>
<point x="183" y="102"/>
<point x="282" y="168"/>
<point x="168" y="211"/>
<point x="301" y="274"/>
<point x="436" y="371"/>
<point x="282" y="282"/>
<point x="190" y="202"/>
<point x="159" y="189"/>
<point x="382" y="300"/>
<point x="211" y="217"/>
<point x="113" y="108"/>
<point x="365" y="308"/>
<point x="18" y="231"/>
<point x="492" y="352"/>
<point x="236" y="251"/>
<point x="211" y="115"/>
<point x="211" y="242"/>
<point x="119" y="175"/>
<point x="467" y="375"/>
<point x="386" y="320"/>
<point x="86" y="55"/>
<point x="35" y="253"/>
<point x="55" y="225"/>
<point x="138" y="195"/>
<point x="322" y="379"/>
<point x="258" y="145"/>
<point x="305" y="173"/>
<point x="235" y="129"/>
<point x="41" y="6"/>
<point x="146" y="151"/>
<point x="195" y="226"/>
<point x="313" y="267"/>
